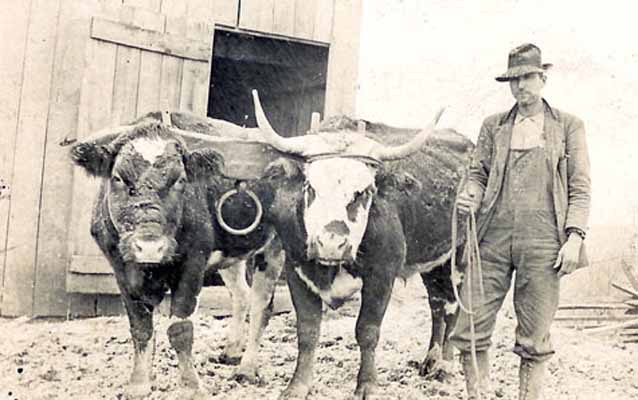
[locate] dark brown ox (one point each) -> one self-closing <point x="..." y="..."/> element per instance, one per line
<point x="154" y="221"/>
<point x="354" y="215"/>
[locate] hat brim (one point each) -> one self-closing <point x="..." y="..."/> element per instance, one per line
<point x="521" y="70"/>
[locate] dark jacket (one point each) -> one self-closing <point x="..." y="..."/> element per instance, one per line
<point x="567" y="156"/>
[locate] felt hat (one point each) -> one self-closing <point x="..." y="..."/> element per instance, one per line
<point x="522" y="60"/>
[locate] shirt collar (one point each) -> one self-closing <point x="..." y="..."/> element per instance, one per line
<point x="536" y="119"/>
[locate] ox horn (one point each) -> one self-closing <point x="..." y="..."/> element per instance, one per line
<point x="387" y="153"/>
<point x="103" y="136"/>
<point x="294" y="145"/>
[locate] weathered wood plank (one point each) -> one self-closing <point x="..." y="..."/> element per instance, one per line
<point x="171" y="76"/>
<point x="27" y="174"/>
<point x="152" y="5"/>
<point x="89" y="264"/>
<point x="94" y="113"/>
<point x="96" y="102"/>
<point x="150" y="65"/>
<point x="225" y="12"/>
<point x="82" y="305"/>
<point x="145" y="39"/>
<point x="91" y="284"/>
<point x="305" y="15"/>
<point x="110" y="305"/>
<point x="626" y="290"/>
<point x="343" y="64"/>
<point x="200" y="11"/>
<point x="51" y="260"/>
<point x="14" y="22"/>
<point x="595" y="306"/>
<point x="127" y="72"/>
<point x="257" y="15"/>
<point x="284" y="17"/>
<point x="196" y="75"/>
<point x="323" y="21"/>
<point x="613" y="327"/>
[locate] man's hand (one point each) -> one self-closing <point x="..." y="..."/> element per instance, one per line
<point x="467" y="202"/>
<point x="568" y="256"/>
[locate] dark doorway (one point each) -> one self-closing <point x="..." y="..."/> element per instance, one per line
<point x="290" y="77"/>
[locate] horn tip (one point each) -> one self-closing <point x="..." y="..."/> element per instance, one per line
<point x="439" y="114"/>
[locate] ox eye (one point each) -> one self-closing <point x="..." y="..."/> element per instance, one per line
<point x="179" y="183"/>
<point x="117" y="181"/>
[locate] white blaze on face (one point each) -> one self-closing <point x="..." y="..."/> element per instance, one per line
<point x="337" y="195"/>
<point x="149" y="148"/>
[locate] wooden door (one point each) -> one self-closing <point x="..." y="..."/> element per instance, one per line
<point x="141" y="56"/>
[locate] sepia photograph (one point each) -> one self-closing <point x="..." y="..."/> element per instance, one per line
<point x="318" y="199"/>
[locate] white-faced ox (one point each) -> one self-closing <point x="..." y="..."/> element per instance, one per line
<point x="352" y="220"/>
<point x="154" y="221"/>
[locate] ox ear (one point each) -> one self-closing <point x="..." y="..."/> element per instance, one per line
<point x="96" y="159"/>
<point x="282" y="168"/>
<point x="398" y="181"/>
<point x="203" y="163"/>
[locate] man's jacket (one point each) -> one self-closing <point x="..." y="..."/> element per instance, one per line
<point x="567" y="157"/>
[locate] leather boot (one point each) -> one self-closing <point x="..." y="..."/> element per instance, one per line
<point x="478" y="387"/>
<point x="531" y="379"/>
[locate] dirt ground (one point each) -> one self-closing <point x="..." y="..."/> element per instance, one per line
<point x="91" y="359"/>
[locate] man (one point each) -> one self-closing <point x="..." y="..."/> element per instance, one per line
<point x="529" y="188"/>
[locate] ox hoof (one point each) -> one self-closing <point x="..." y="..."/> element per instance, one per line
<point x="228" y="359"/>
<point x="246" y="375"/>
<point x="137" y="391"/>
<point x="366" y="391"/>
<point x="295" y="392"/>
<point x="436" y="369"/>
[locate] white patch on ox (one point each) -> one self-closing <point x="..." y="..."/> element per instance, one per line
<point x="342" y="287"/>
<point x="335" y="183"/>
<point x="149" y="148"/>
<point x="451" y="307"/>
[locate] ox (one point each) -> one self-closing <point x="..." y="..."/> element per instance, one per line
<point x="352" y="221"/>
<point x="154" y="221"/>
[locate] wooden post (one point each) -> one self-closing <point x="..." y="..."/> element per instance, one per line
<point x="315" y="120"/>
<point x="361" y="127"/>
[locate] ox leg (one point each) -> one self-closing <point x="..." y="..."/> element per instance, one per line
<point x="140" y="317"/>
<point x="184" y="303"/>
<point x="268" y="267"/>
<point x="437" y="363"/>
<point x="375" y="296"/>
<point x="308" y="311"/>
<point x="234" y="278"/>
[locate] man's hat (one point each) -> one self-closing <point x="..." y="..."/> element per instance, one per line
<point x="524" y="59"/>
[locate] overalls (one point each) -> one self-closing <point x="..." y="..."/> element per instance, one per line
<point x="521" y="237"/>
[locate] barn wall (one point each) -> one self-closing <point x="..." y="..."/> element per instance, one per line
<point x="343" y="63"/>
<point x="58" y="83"/>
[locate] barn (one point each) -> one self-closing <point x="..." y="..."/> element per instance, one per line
<point x="70" y="67"/>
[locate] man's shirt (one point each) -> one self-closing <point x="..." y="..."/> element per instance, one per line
<point x="527" y="132"/>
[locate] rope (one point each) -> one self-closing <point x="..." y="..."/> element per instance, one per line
<point x="473" y="265"/>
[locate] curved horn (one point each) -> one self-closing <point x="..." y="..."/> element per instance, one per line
<point x="103" y="136"/>
<point x="387" y="153"/>
<point x="286" y="145"/>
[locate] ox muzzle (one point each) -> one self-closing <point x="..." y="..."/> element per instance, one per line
<point x="331" y="246"/>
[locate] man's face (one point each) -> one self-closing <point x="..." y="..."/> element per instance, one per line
<point x="526" y="89"/>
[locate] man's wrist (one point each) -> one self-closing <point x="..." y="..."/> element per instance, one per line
<point x="575" y="232"/>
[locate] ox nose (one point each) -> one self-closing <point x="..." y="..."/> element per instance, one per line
<point x="331" y="248"/>
<point x="149" y="251"/>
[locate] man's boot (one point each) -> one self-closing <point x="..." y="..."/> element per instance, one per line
<point x="531" y="379"/>
<point x="478" y="387"/>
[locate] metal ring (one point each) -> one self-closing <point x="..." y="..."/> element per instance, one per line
<point x="248" y="229"/>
